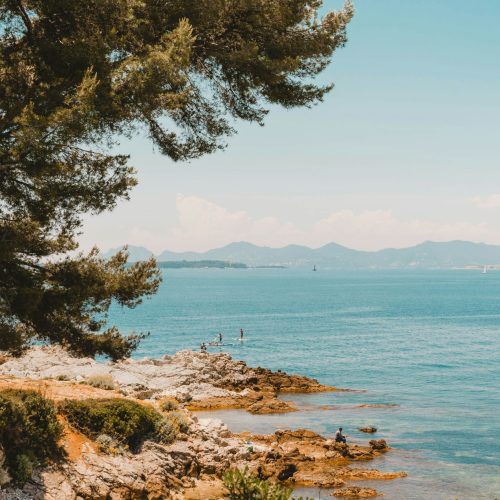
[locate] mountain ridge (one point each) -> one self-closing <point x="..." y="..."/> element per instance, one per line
<point x="425" y="255"/>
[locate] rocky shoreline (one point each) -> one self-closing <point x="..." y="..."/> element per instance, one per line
<point x="192" y="466"/>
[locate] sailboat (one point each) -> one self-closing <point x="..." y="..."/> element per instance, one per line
<point x="484" y="269"/>
<point x="314" y="267"/>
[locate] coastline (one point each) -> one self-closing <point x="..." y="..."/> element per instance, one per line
<point x="192" y="466"/>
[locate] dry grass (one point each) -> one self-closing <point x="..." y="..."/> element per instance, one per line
<point x="104" y="381"/>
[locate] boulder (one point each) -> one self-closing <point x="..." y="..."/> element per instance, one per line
<point x="368" y="430"/>
<point x="287" y="472"/>
<point x="355" y="492"/>
<point x="379" y="444"/>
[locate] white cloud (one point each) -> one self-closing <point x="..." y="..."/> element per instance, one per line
<point x="204" y="224"/>
<point x="371" y="230"/>
<point x="491" y="201"/>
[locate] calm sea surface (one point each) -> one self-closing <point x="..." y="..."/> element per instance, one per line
<point x="425" y="344"/>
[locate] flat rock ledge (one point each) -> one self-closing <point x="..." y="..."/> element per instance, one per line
<point x="200" y="381"/>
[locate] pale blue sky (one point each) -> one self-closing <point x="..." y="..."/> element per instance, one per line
<point x="405" y="148"/>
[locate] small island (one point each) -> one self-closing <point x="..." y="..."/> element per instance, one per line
<point x="201" y="264"/>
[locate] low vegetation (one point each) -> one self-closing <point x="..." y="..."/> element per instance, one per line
<point x="168" y="404"/>
<point x="29" y="432"/>
<point x="109" y="445"/>
<point x="242" y="485"/>
<point x="125" y="422"/>
<point x="104" y="381"/>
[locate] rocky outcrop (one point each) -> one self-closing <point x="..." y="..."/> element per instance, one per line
<point x="198" y="380"/>
<point x="155" y="472"/>
<point x="305" y="458"/>
<point x="379" y="445"/>
<point x="191" y="467"/>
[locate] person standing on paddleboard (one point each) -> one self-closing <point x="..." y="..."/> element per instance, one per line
<point x="241" y="333"/>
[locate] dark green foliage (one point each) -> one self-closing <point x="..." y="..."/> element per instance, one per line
<point x="166" y="431"/>
<point x="76" y="74"/>
<point x="125" y="420"/>
<point x="241" y="485"/>
<point x="29" y="431"/>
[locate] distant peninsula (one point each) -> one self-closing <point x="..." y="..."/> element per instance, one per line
<point x="200" y="264"/>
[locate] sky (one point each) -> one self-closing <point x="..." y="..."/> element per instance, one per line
<point x="406" y="148"/>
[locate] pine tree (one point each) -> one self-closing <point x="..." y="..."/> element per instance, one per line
<point x="76" y="74"/>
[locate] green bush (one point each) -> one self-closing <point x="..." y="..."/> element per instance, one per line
<point x="179" y="420"/>
<point x="109" y="445"/>
<point x="241" y="485"/>
<point x="128" y="422"/>
<point x="24" y="465"/>
<point x="29" y="431"/>
<point x="166" y="431"/>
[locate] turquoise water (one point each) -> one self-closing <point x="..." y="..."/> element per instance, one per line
<point x="426" y="344"/>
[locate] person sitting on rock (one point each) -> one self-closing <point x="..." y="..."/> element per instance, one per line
<point x="203" y="347"/>
<point x="339" y="437"/>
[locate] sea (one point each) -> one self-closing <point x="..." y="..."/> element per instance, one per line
<point x="419" y="351"/>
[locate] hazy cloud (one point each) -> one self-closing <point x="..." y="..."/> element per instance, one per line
<point x="376" y="229"/>
<point x="204" y="224"/>
<point x="491" y="201"/>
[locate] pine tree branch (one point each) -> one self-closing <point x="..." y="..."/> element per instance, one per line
<point x="26" y="19"/>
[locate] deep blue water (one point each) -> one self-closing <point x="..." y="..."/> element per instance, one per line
<point x="426" y="342"/>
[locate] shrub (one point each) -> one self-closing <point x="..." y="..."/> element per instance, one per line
<point x="126" y="421"/>
<point x="104" y="381"/>
<point x="24" y="465"/>
<point x="241" y="485"/>
<point x="168" y="404"/>
<point x="179" y="420"/>
<point x="29" y="431"/>
<point x="166" y="431"/>
<point x="107" y="444"/>
<point x="146" y="394"/>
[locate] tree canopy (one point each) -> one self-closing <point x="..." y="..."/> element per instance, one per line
<point x="76" y="74"/>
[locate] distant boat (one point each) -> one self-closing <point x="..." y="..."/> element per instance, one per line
<point x="484" y="269"/>
<point x="314" y="267"/>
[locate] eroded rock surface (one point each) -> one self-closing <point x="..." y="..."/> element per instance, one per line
<point x="355" y="492"/>
<point x="155" y="472"/>
<point x="305" y="458"/>
<point x="201" y="380"/>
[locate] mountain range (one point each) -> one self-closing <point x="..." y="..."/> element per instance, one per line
<point x="427" y="255"/>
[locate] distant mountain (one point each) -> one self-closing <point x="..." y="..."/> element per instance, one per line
<point x="427" y="255"/>
<point x="135" y="253"/>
